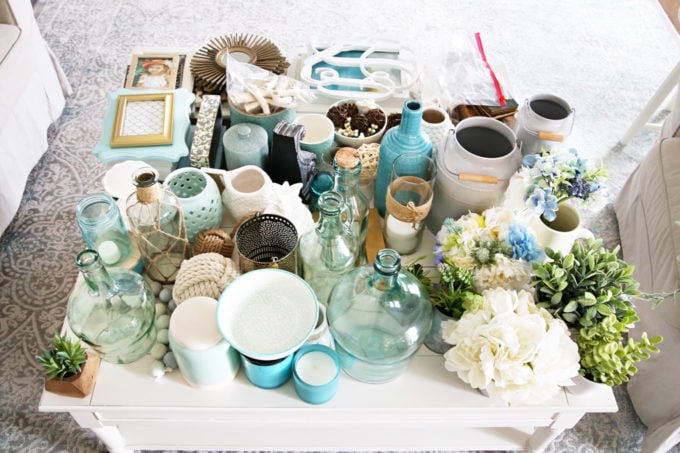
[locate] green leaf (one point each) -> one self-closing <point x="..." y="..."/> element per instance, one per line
<point x="571" y="307"/>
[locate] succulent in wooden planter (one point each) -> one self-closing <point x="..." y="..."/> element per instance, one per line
<point x="591" y="289"/>
<point x="69" y="370"/>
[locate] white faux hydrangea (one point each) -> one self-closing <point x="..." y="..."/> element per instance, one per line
<point x="511" y="348"/>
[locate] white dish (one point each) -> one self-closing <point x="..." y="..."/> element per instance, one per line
<point x="267" y="314"/>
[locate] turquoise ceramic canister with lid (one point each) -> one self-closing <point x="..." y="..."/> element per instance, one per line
<point x="245" y="144"/>
<point x="406" y="138"/>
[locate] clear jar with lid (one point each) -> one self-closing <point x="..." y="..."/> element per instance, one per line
<point x="102" y="227"/>
<point x="347" y="167"/>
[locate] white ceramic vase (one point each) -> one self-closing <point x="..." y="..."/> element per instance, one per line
<point x="561" y="233"/>
<point x="436" y="123"/>
<point x="246" y="189"/>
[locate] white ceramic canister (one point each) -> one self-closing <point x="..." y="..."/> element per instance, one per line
<point x="246" y="189"/>
<point x="478" y="160"/>
<point x="543" y="121"/>
<point x="203" y="356"/>
<point x="436" y="123"/>
<point x="561" y="233"/>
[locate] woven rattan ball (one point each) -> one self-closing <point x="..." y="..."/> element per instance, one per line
<point x="206" y="274"/>
<point x="214" y="241"/>
<point x="369" y="154"/>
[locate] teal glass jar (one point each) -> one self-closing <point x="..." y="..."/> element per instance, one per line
<point x="102" y="227"/>
<point x="330" y="249"/>
<point x="112" y="310"/>
<point x="379" y="316"/>
<point x="406" y="138"/>
<point x="347" y="167"/>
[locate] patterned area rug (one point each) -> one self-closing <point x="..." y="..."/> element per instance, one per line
<point x="606" y="57"/>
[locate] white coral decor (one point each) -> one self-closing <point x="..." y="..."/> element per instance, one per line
<point x="511" y="348"/>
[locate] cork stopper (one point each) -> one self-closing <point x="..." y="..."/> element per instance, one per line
<point x="347" y="157"/>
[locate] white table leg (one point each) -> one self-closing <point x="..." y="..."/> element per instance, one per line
<point x="112" y="439"/>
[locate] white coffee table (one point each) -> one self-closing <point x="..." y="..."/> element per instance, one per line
<point x="427" y="408"/>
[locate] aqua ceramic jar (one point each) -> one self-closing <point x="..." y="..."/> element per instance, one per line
<point x="199" y="197"/>
<point x="245" y="144"/>
<point x="379" y="316"/>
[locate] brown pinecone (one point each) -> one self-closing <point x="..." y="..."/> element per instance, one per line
<point x="360" y="123"/>
<point x="377" y="117"/>
<point x="337" y="116"/>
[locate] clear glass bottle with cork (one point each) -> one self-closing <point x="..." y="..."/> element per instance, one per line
<point x="157" y="224"/>
<point x="347" y="167"/>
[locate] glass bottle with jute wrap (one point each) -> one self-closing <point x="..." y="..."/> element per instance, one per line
<point x="157" y="224"/>
<point x="347" y="167"/>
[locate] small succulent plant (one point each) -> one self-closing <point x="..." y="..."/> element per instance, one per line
<point x="65" y="358"/>
<point x="454" y="293"/>
<point x="591" y="289"/>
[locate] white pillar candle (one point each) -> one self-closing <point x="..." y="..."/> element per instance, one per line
<point x="316" y="368"/>
<point x="401" y="236"/>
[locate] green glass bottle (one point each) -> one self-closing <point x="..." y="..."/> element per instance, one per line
<point x="347" y="167"/>
<point x="112" y="310"/>
<point x="330" y="249"/>
<point x="379" y="316"/>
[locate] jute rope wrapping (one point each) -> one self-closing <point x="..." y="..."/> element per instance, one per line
<point x="214" y="241"/>
<point x="206" y="274"/>
<point x="148" y="194"/>
<point x="410" y="212"/>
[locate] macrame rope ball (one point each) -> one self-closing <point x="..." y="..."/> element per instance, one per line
<point x="214" y="241"/>
<point x="206" y="274"/>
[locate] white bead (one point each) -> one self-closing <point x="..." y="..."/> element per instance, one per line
<point x="157" y="369"/>
<point x="158" y="350"/>
<point x="162" y="322"/>
<point x="156" y="287"/>
<point x="165" y="295"/>
<point x="160" y="309"/>
<point x="162" y="336"/>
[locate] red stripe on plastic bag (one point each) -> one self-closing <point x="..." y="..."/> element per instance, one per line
<point x="496" y="84"/>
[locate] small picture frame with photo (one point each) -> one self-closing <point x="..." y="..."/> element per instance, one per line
<point x="155" y="72"/>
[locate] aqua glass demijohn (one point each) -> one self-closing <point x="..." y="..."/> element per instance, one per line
<point x="379" y="316"/>
<point x="330" y="249"/>
<point x="347" y="167"/>
<point x="405" y="138"/>
<point x="112" y="310"/>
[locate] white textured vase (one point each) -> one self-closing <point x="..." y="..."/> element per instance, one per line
<point x="246" y="189"/>
<point x="436" y="123"/>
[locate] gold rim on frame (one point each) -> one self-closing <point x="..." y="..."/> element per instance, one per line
<point x="208" y="63"/>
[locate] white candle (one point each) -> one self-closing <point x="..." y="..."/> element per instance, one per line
<point x="109" y="252"/>
<point x="316" y="368"/>
<point x="401" y="236"/>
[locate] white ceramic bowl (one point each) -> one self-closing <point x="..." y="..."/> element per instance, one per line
<point x="267" y="314"/>
<point x="356" y="142"/>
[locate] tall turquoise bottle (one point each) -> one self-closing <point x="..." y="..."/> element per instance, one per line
<point x="406" y="138"/>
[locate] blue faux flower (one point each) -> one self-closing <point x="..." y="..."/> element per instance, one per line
<point x="523" y="244"/>
<point x="543" y="202"/>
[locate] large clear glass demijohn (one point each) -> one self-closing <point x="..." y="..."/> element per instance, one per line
<point x="379" y="316"/>
<point x="112" y="310"/>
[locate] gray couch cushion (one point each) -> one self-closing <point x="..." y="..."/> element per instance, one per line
<point x="647" y="208"/>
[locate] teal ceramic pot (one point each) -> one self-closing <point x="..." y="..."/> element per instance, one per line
<point x="267" y="122"/>
<point x="406" y="138"/>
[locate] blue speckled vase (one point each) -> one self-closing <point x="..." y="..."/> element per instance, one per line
<point x="407" y="138"/>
